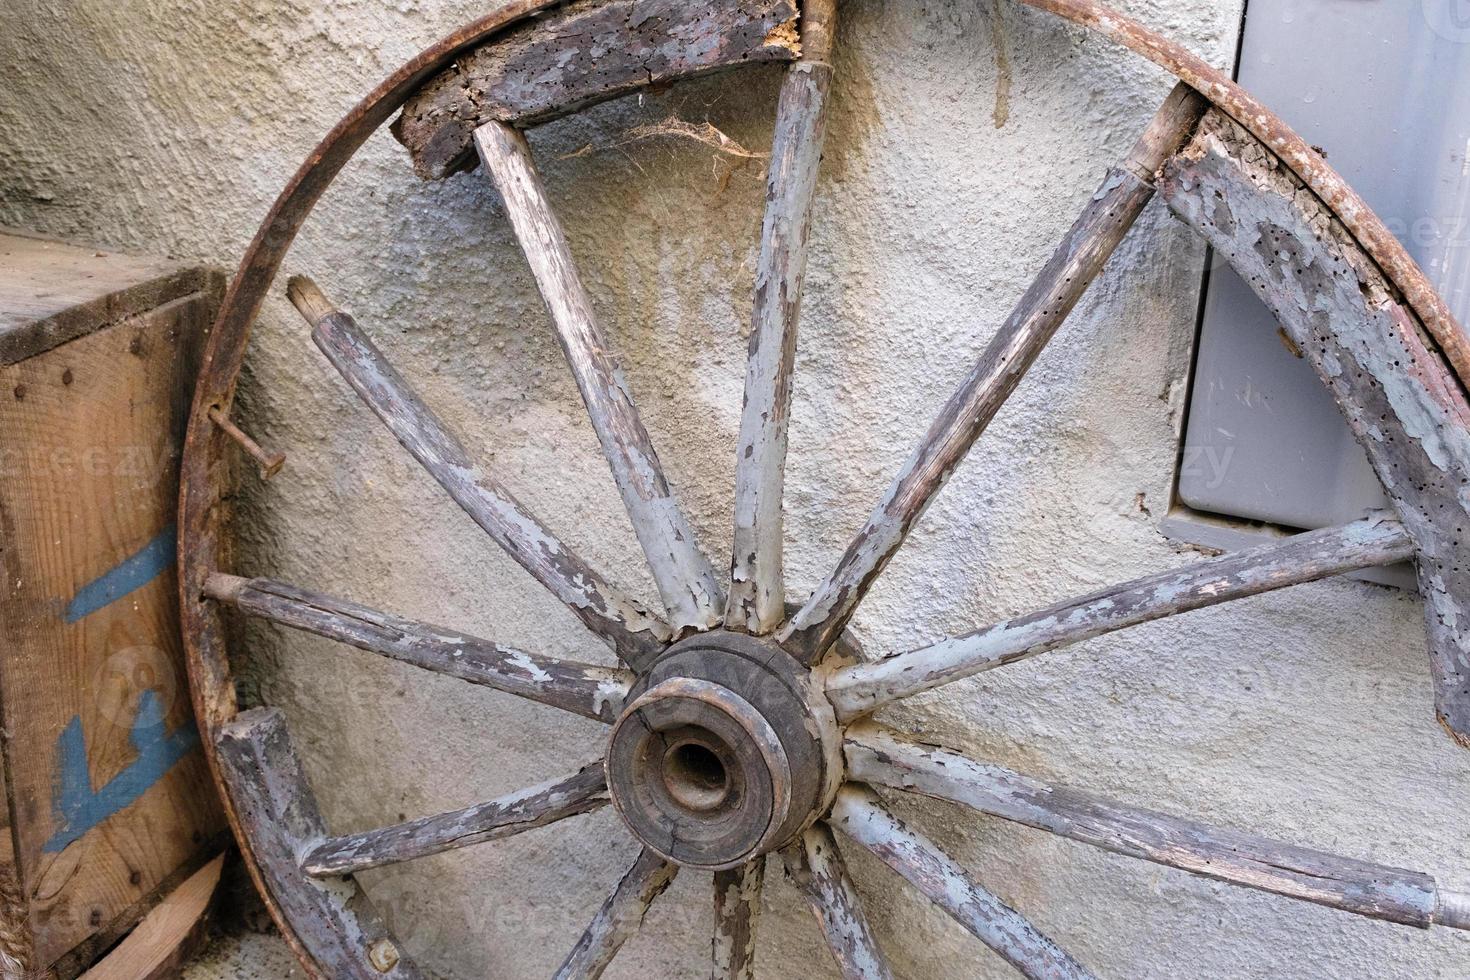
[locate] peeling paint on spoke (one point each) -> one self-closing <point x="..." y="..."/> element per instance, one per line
<point x="620" y="917"/>
<point x="877" y="755"/>
<point x="1076" y="263"/>
<point x="691" y="593"/>
<point x="592" y="692"/>
<point x="636" y="635"/>
<point x="737" y="911"/>
<point x="815" y="866"/>
<point x="539" y="806"/>
<point x="1297" y="560"/>
<point x="757" y="587"/>
<point x="860" y="815"/>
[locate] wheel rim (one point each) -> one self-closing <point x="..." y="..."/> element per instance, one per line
<point x="239" y="745"/>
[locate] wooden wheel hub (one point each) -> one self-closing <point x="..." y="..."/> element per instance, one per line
<point x="721" y="756"/>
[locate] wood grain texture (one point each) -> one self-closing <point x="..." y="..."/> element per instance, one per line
<point x="737" y="913"/>
<point x="335" y="924"/>
<point x="161" y="944"/>
<point x="1369" y="348"/>
<point x="539" y="806"/>
<point x="581" y="54"/>
<point x="1303" y="558"/>
<point x="592" y="692"/>
<point x="109" y="793"/>
<point x="859" y="814"/>
<point x="634" y="633"/>
<point x="691" y="593"/>
<point x="815" y="866"/>
<point x="619" y="918"/>
<point x="757" y="601"/>
<point x="1051" y="297"/>
<point x="885" y="758"/>
<point x="53" y="292"/>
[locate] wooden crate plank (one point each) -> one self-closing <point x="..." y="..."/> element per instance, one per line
<point x="52" y="292"/>
<point x="158" y="947"/>
<point x="110" y="792"/>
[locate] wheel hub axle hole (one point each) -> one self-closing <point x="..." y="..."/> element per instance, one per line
<point x="695" y="776"/>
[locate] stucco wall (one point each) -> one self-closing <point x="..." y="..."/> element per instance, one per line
<point x="169" y="125"/>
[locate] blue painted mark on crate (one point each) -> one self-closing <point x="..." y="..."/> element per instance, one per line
<point x="78" y="807"/>
<point x="127" y="578"/>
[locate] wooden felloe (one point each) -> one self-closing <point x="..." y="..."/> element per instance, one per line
<point x="110" y="802"/>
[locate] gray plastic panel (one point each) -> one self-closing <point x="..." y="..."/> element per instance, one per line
<point x="1384" y="87"/>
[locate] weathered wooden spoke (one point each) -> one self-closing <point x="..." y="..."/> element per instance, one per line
<point x="737" y="912"/>
<point x="1303" y="558"/>
<point x="539" y="806"/>
<point x="1077" y="261"/>
<point x="757" y="586"/>
<point x="879" y="756"/>
<point x="619" y="918"/>
<point x="632" y="631"/>
<point x="815" y="865"/>
<point x="593" y="692"/>
<point x="691" y="593"/>
<point x="860" y="815"/>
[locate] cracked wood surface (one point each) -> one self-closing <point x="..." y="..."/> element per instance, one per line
<point x="737" y="912"/>
<point x="686" y="580"/>
<point x="1369" y="348"/>
<point x="333" y="921"/>
<point x="528" y="809"/>
<point x="581" y="54"/>
<point x="1299" y="559"/>
<point x="757" y="600"/>
<point x="815" y="866"/>
<point x="592" y="692"/>
<point x="1080" y="258"/>
<point x="635" y="634"/>
<point x="860" y="815"/>
<point x="883" y="757"/>
<point x="620" y="917"/>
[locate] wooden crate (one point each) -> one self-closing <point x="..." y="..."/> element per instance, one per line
<point x="110" y="801"/>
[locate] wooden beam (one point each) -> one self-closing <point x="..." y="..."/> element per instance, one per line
<point x="1082" y="255"/>
<point x="757" y="601"/>
<point x="685" y="579"/>
<point x="737" y="910"/>
<point x="816" y="867"/>
<point x="334" y="923"/>
<point x="620" y="917"/>
<point x="592" y="692"/>
<point x="581" y="54"/>
<point x="636" y="635"/>
<point x="539" y="806"/>
<point x="859" y="814"/>
<point x="879" y="756"/>
<point x="1303" y="558"/>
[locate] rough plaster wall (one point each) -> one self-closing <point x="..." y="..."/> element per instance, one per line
<point x="168" y="126"/>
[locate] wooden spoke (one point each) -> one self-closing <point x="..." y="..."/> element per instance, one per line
<point x="539" y="806"/>
<point x="1303" y="558"/>
<point x="815" y="865"/>
<point x="334" y="924"/>
<point x="737" y="910"/>
<point x="757" y="588"/>
<point x="632" y="631"/>
<point x="1080" y="258"/>
<point x="593" y="692"/>
<point x="690" y="590"/>
<point x="619" y="918"/>
<point x="877" y="755"/>
<point x="859" y="814"/>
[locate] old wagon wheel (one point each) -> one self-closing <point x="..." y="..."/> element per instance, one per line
<point x="738" y="730"/>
